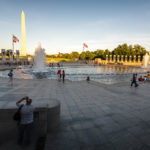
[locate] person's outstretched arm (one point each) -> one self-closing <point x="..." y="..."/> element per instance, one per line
<point x="20" y="100"/>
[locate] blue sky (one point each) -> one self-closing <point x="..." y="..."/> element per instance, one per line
<point x="64" y="25"/>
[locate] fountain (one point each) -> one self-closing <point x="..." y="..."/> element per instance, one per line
<point x="145" y="61"/>
<point x="39" y="67"/>
<point x="39" y="59"/>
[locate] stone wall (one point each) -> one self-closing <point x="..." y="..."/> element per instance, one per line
<point x="46" y="118"/>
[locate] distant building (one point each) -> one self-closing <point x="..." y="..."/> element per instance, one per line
<point x="60" y="54"/>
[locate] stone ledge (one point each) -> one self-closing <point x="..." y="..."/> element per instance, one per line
<point x="46" y="118"/>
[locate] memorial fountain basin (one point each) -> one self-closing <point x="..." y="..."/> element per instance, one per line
<point x="102" y="74"/>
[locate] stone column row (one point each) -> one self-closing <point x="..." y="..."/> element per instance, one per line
<point x="120" y="58"/>
<point x="11" y="55"/>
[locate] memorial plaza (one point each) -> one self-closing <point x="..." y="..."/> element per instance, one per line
<point x="75" y="63"/>
<point x="93" y="116"/>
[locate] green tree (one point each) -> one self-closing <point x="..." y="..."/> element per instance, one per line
<point x="124" y="49"/>
<point x="66" y="55"/>
<point x="130" y="51"/>
<point x="51" y="56"/>
<point x="99" y="54"/>
<point x="89" y="55"/>
<point x="121" y="50"/>
<point x="74" y="55"/>
<point x="82" y="56"/>
<point x="107" y="52"/>
<point x="7" y="53"/>
<point x="139" y="50"/>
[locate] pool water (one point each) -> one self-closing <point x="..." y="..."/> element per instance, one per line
<point x="102" y="74"/>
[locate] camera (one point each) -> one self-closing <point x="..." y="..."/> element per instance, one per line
<point x="26" y="97"/>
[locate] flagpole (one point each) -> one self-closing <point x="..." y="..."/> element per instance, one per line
<point x="83" y="47"/>
<point x="12" y="44"/>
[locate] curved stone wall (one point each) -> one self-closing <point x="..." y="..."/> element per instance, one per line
<point x="46" y="118"/>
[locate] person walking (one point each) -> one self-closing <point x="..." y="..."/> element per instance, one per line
<point x="10" y="75"/>
<point x="26" y="122"/>
<point x="63" y="75"/>
<point x="88" y="78"/>
<point x="134" y="80"/>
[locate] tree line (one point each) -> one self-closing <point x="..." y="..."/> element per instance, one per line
<point x="124" y="49"/>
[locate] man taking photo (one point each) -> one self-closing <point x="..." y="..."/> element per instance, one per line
<point x="26" y="122"/>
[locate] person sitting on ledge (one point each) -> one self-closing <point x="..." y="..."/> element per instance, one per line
<point x="145" y="78"/>
<point x="141" y="78"/>
<point x="26" y="122"/>
<point x="148" y="75"/>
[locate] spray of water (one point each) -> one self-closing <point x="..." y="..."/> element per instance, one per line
<point x="145" y="61"/>
<point x="39" y="59"/>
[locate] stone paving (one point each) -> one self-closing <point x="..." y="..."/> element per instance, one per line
<point x="93" y="116"/>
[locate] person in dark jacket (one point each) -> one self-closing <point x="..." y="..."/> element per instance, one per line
<point x="63" y="75"/>
<point x="10" y="75"/>
<point x="134" y="80"/>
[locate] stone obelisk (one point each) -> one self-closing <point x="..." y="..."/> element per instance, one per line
<point x="23" y="35"/>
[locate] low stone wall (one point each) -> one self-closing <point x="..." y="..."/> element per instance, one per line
<point x="46" y="118"/>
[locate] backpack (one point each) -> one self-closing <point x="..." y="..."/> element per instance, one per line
<point x="17" y="115"/>
<point x="10" y="74"/>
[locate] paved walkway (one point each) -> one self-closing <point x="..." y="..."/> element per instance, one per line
<point x="93" y="116"/>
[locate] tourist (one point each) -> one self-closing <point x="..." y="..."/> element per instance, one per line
<point x="134" y="80"/>
<point x="63" y="75"/>
<point x="26" y="122"/>
<point x="88" y="78"/>
<point x="10" y="75"/>
<point x="141" y="78"/>
<point x="145" y="78"/>
<point x="58" y="74"/>
<point x="148" y="75"/>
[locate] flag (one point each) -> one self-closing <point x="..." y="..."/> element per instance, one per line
<point x="85" y="45"/>
<point x="15" y="39"/>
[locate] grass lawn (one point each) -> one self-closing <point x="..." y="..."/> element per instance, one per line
<point x="48" y="60"/>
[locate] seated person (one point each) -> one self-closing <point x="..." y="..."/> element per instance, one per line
<point x="141" y="78"/>
<point x="145" y="78"/>
<point x="148" y="74"/>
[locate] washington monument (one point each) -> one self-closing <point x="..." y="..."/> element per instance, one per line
<point x="23" y="35"/>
